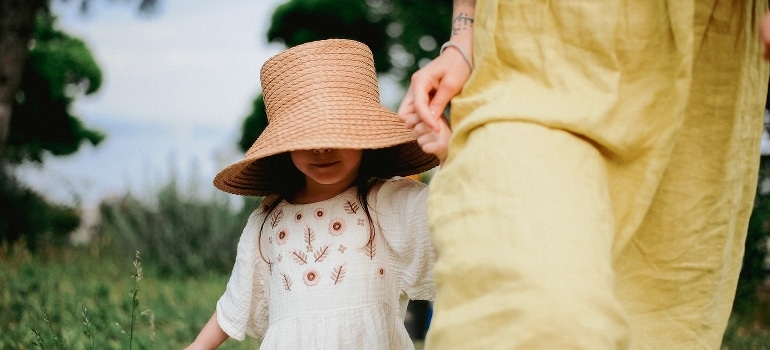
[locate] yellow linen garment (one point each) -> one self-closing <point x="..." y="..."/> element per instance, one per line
<point x="600" y="175"/>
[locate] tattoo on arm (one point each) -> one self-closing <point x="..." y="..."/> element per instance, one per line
<point x="461" y="22"/>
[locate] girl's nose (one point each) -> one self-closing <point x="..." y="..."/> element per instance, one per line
<point x="322" y="150"/>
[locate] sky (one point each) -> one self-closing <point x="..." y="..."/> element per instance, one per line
<point x="177" y="86"/>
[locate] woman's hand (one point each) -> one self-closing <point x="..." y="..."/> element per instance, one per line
<point x="432" y="87"/>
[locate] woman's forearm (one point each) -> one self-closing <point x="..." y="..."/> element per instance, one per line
<point x="463" y="16"/>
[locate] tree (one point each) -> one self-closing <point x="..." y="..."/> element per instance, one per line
<point x="402" y="34"/>
<point x="42" y="71"/>
<point x="17" y="24"/>
<point x="57" y="69"/>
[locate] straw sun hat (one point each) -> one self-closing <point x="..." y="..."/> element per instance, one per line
<point x="323" y="94"/>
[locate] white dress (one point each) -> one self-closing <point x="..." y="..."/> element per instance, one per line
<point x="320" y="282"/>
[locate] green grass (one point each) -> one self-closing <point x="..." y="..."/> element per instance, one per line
<point x="169" y="313"/>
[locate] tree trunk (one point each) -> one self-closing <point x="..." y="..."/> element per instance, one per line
<point x="17" y="21"/>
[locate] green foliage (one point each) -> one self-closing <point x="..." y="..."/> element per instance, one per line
<point x="755" y="270"/>
<point x="27" y="214"/>
<point x="58" y="69"/>
<point x="301" y="21"/>
<point x="395" y="30"/>
<point x="743" y="334"/>
<point x="182" y="234"/>
<point x="254" y="124"/>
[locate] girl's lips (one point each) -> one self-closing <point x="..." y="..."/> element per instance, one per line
<point x="325" y="165"/>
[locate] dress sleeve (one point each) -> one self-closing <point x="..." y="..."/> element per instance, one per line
<point x="242" y="309"/>
<point x="401" y="213"/>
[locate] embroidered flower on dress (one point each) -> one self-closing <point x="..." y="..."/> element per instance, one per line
<point x="311" y="277"/>
<point x="337" y="227"/>
<point x="342" y="248"/>
<point x="360" y="222"/>
<point x="381" y="272"/>
<point x="319" y="213"/>
<point x="298" y="217"/>
<point x="282" y="236"/>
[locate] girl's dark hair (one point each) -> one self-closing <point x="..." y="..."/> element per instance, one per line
<point x="288" y="180"/>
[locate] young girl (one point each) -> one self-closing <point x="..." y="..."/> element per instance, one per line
<point x="337" y="249"/>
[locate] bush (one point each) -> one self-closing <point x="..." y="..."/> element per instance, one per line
<point x="178" y="233"/>
<point x="27" y="215"/>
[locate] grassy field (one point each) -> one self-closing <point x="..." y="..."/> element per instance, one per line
<point x="168" y="315"/>
<point x="42" y="301"/>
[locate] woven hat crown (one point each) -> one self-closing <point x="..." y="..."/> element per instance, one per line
<point x="326" y="72"/>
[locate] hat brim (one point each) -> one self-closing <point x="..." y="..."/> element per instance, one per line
<point x="338" y="126"/>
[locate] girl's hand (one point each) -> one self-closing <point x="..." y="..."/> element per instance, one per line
<point x="430" y="140"/>
<point x="432" y="87"/>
